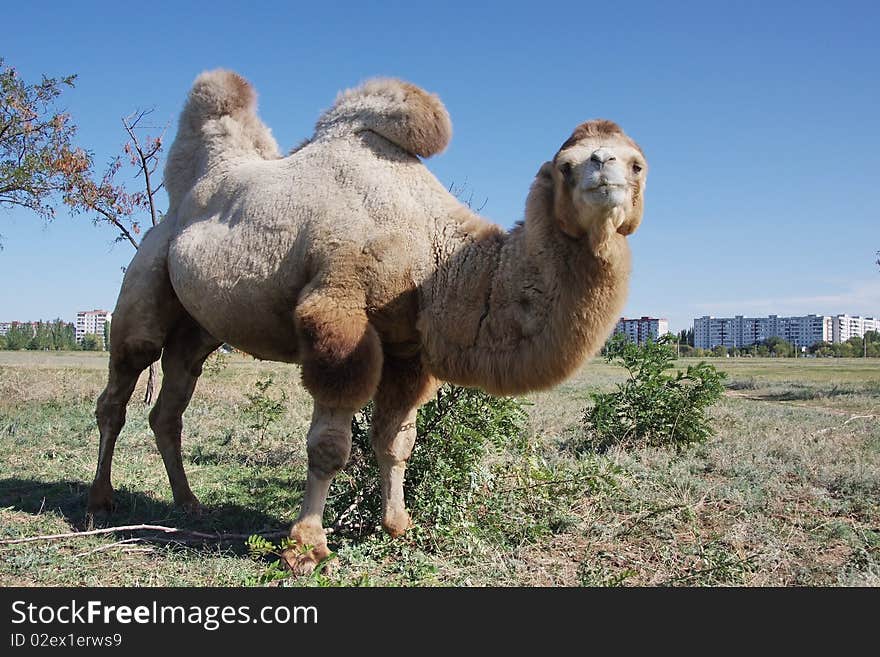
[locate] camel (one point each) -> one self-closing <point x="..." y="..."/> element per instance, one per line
<point x="350" y="258"/>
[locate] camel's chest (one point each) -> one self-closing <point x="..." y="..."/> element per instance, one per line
<point x="388" y="272"/>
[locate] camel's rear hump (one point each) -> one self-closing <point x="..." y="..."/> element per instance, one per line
<point x="401" y="112"/>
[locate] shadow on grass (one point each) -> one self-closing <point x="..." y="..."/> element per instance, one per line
<point x="68" y="499"/>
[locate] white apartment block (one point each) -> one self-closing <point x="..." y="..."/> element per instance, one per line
<point x="91" y="321"/>
<point x="642" y="329"/>
<point x="844" y="327"/>
<point x="801" y="331"/>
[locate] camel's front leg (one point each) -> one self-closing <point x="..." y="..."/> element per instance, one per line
<point x="329" y="446"/>
<point x="403" y="388"/>
<point x="393" y="436"/>
<point x="342" y="363"/>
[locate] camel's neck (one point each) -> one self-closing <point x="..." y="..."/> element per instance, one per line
<point x="519" y="311"/>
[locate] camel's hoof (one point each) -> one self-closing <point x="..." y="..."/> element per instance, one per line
<point x="396" y="524"/>
<point x="303" y="562"/>
<point x="191" y="506"/>
<point x="100" y="503"/>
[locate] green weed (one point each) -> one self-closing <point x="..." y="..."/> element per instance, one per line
<point x="652" y="407"/>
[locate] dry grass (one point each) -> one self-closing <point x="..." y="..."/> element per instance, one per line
<point x="786" y="493"/>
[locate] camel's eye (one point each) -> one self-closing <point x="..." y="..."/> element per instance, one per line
<point x="566" y="169"/>
<point x="637" y="168"/>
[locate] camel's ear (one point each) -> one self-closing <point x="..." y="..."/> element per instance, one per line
<point x="563" y="210"/>
<point x="545" y="172"/>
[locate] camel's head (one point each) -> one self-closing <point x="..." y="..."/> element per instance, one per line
<point x="598" y="182"/>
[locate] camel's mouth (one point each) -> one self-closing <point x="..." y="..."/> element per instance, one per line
<point x="606" y="194"/>
<point x="606" y="187"/>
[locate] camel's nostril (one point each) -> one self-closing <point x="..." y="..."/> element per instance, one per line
<point x="602" y="156"/>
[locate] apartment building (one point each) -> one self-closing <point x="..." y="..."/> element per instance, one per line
<point x="642" y="329"/>
<point x="844" y="327"/>
<point x="5" y="326"/>
<point x="91" y="321"/>
<point x="801" y="331"/>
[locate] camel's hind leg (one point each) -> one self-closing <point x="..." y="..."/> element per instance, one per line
<point x="185" y="351"/>
<point x="127" y="361"/>
<point x="145" y="312"/>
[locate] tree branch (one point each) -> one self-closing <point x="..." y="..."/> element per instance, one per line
<point x="145" y="158"/>
<point x="131" y="528"/>
<point x="113" y="220"/>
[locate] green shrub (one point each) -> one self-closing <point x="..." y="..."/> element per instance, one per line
<point x="449" y="484"/>
<point x="478" y="481"/>
<point x="455" y="432"/>
<point x="260" y="548"/>
<point x="653" y="406"/>
<point x="216" y="362"/>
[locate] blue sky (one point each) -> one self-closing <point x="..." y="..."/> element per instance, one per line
<point x="759" y="121"/>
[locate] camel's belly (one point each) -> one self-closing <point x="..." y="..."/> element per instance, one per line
<point x="242" y="280"/>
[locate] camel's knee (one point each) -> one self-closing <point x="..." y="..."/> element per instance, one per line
<point x="328" y="452"/>
<point x="405" y="385"/>
<point x="329" y="440"/>
<point x="395" y="444"/>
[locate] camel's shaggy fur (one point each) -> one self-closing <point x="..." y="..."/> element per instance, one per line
<point x="350" y="258"/>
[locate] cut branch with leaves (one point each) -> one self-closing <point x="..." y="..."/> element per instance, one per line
<point x="40" y="167"/>
<point x="37" y="156"/>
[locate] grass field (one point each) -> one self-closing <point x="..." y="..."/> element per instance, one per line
<point x="786" y="493"/>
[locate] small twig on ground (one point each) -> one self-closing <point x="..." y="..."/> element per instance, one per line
<point x="851" y="419"/>
<point x="552" y="482"/>
<point x="152" y="528"/>
<point x="101" y="548"/>
<point x="858" y="417"/>
<point x="336" y="524"/>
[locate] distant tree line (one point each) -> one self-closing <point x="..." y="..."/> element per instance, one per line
<point x="779" y="348"/>
<point x="686" y="337"/>
<point x="56" y="335"/>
